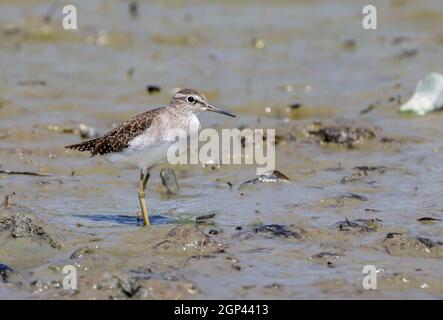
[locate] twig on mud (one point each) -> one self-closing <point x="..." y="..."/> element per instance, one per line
<point x="27" y="173"/>
<point x="5" y="203"/>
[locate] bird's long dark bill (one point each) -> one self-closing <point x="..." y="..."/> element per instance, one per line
<point x="218" y="110"/>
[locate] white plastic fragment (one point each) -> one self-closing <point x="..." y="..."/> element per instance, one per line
<point x="428" y="95"/>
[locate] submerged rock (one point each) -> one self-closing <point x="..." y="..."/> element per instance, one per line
<point x="428" y="95"/>
<point x="342" y="135"/>
<point x="169" y="180"/>
<point x="188" y="240"/>
<point x="121" y="286"/>
<point x="16" y="223"/>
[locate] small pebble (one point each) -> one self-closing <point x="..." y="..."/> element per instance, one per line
<point x="87" y="132"/>
<point x="151" y="89"/>
<point x="258" y="43"/>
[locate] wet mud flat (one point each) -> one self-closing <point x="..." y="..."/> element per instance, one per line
<point x="177" y="261"/>
<point x="356" y="183"/>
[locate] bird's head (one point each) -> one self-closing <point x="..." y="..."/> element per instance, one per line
<point x="191" y="100"/>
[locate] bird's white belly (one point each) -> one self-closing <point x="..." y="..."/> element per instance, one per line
<point x="151" y="147"/>
<point x="141" y="157"/>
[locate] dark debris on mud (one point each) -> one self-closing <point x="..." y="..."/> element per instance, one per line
<point x="362" y="172"/>
<point x="359" y="225"/>
<point x="276" y="230"/>
<point x="204" y="219"/>
<point x="428" y="220"/>
<point x="399" y="244"/>
<point x="342" y="200"/>
<point x="326" y="254"/>
<point x="269" y="177"/>
<point x="270" y="231"/>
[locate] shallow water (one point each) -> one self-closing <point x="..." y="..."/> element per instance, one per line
<point x="82" y="77"/>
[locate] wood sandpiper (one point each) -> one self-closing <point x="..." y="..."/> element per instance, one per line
<point x="142" y="142"/>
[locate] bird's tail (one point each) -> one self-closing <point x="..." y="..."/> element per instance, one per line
<point x="84" y="146"/>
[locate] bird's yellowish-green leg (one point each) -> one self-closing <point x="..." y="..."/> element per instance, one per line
<point x="141" y="196"/>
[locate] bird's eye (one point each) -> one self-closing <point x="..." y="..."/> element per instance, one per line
<point x="191" y="99"/>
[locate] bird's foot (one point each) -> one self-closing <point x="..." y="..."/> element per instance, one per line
<point x="139" y="216"/>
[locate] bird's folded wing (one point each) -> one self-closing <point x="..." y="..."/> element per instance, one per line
<point x="119" y="138"/>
